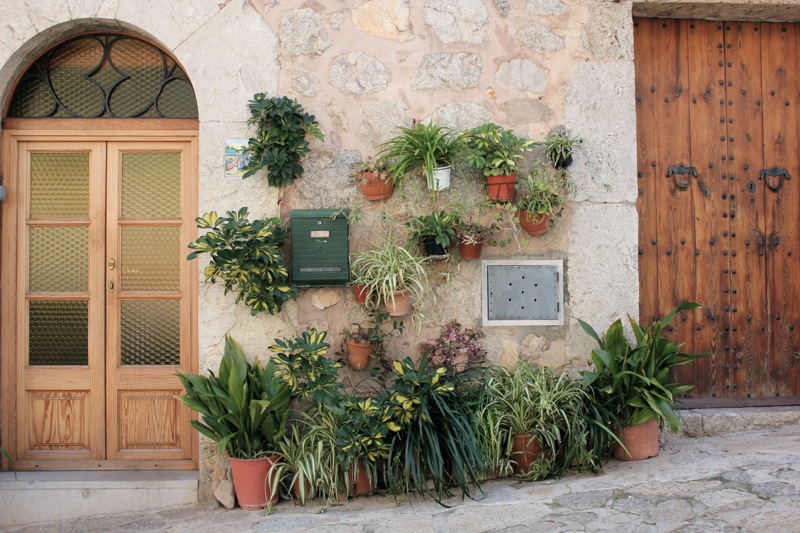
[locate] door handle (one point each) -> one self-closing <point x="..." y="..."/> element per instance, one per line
<point x="684" y="182"/>
<point x="774" y="172"/>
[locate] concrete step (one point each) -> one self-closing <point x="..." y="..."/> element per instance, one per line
<point x="30" y="497"/>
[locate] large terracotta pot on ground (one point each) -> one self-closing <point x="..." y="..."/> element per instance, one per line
<point x="470" y="251"/>
<point x="501" y="188"/>
<point x="360" y="293"/>
<point x="374" y="188"/>
<point x="641" y="440"/>
<point x="251" y="483"/>
<point x="358" y="353"/>
<point x="401" y="305"/>
<point x="525" y="451"/>
<point x="360" y="484"/>
<point x="534" y="224"/>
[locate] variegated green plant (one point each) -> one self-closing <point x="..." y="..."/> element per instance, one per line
<point x="242" y="408"/>
<point x="247" y="258"/>
<point x="302" y="365"/>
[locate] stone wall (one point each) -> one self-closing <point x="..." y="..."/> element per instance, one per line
<point x="364" y="68"/>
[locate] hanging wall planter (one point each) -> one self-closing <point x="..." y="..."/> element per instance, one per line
<point x="535" y="223"/>
<point x="358" y="353"/>
<point x="501" y="188"/>
<point x="439" y="179"/>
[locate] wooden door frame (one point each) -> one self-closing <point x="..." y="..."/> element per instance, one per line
<point x="89" y="130"/>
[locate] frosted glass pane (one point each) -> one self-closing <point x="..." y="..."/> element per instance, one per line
<point x="60" y="185"/>
<point x="151" y="185"/>
<point x="59" y="259"/>
<point x="58" y="333"/>
<point x="151" y="332"/>
<point x="151" y="258"/>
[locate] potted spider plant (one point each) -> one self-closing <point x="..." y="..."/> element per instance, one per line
<point x="429" y="149"/>
<point x="433" y="232"/>
<point x="496" y="152"/>
<point x="559" y="149"/>
<point x="243" y="408"/>
<point x="395" y="275"/>
<point x="363" y="342"/>
<point x="541" y="201"/>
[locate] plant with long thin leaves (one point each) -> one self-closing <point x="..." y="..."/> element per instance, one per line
<point x="242" y="408"/>
<point x="636" y="379"/>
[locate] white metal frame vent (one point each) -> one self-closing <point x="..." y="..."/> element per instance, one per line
<point x="522" y="292"/>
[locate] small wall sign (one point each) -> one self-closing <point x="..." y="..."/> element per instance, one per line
<point x="235" y="158"/>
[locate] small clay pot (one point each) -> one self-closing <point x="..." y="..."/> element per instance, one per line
<point x="358" y="353"/>
<point x="470" y="251"/>
<point x="502" y="188"/>
<point x="534" y="224"/>
<point x="401" y="305"/>
<point x="525" y="451"/>
<point x="374" y="188"/>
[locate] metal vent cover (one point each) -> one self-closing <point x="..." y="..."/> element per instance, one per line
<point x="523" y="293"/>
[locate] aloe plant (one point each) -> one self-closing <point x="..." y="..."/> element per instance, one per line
<point x="242" y="408"/>
<point x="635" y="381"/>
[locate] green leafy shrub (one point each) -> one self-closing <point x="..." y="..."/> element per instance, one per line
<point x="246" y="257"/>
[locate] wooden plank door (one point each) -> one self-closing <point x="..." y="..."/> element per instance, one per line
<point x="104" y="311"/>
<point x="718" y="145"/>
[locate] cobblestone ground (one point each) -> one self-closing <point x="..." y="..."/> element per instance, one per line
<point x="746" y="481"/>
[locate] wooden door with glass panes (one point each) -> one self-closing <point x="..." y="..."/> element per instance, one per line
<point x="103" y="312"/>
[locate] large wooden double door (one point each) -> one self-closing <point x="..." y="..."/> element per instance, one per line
<point x="718" y="124"/>
<point x="98" y="310"/>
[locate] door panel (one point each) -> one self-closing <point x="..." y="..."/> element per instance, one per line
<point x="148" y="317"/>
<point x="60" y="309"/>
<point x="104" y="316"/>
<point x="720" y="98"/>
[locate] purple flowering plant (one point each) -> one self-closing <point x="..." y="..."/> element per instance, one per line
<point x="452" y="342"/>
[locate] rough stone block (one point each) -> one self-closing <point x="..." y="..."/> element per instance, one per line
<point x="303" y="33"/>
<point x="521" y="75"/>
<point x="359" y="73"/>
<point x="466" y="20"/>
<point x="452" y="71"/>
<point x="608" y="33"/>
<point x="387" y="19"/>
<point x="539" y="39"/>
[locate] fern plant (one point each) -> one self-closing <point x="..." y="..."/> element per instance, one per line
<point x="282" y="127"/>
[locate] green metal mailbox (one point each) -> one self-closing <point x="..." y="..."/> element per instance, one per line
<point x="320" y="247"/>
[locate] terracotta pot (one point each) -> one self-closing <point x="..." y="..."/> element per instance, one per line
<point x="502" y="188"/>
<point x="360" y="293"/>
<point x="461" y="360"/>
<point x="534" y="224"/>
<point x="374" y="188"/>
<point x="358" y="353"/>
<point x="251" y="482"/>
<point x="525" y="451"/>
<point x="360" y="484"/>
<point x="470" y="251"/>
<point x="401" y="305"/>
<point x="641" y="441"/>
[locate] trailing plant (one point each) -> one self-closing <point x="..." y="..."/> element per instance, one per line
<point x="302" y="364"/>
<point x="453" y="340"/>
<point x="634" y="381"/>
<point x="469" y="232"/>
<point x="544" y="192"/>
<point x="247" y="258"/>
<point x="433" y="446"/>
<point x="494" y="150"/>
<point x="559" y="149"/>
<point x="377" y="168"/>
<point x="421" y="148"/>
<point x="281" y="129"/>
<point x="243" y="407"/>
<point x="386" y="268"/>
<point x="375" y="333"/>
<point x="438" y="227"/>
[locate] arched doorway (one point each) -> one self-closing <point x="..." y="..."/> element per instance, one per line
<point x="98" y="304"/>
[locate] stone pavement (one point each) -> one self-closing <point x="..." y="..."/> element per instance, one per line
<point x="747" y="481"/>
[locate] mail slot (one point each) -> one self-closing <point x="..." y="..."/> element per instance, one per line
<point x="320" y="247"/>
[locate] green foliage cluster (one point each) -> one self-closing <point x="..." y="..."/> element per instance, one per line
<point x="282" y="127"/>
<point x="246" y="257"/>
<point x="495" y="151"/>
<point x="440" y="227"/>
<point x="243" y="408"/>
<point x="421" y="148"/>
<point x="633" y="382"/>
